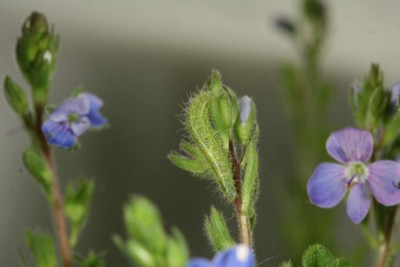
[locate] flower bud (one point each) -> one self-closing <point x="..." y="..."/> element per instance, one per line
<point x="245" y="122"/>
<point x="37" y="54"/>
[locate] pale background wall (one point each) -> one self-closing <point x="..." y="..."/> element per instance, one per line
<point x="143" y="58"/>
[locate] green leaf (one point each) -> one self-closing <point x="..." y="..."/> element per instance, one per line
<point x="15" y="96"/>
<point x="143" y="222"/>
<point x="42" y="249"/>
<point x="148" y="244"/>
<point x="92" y="260"/>
<point x="77" y="200"/>
<point x="217" y="231"/>
<point x="317" y="256"/>
<point x="36" y="164"/>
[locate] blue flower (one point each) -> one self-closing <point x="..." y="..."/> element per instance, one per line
<point x="72" y="118"/>
<point x="238" y="256"/>
<point x="330" y="182"/>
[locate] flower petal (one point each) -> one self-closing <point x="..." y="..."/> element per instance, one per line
<point x="384" y="175"/>
<point x="358" y="203"/>
<point x="350" y="144"/>
<point x="81" y="126"/>
<point x="58" y="134"/>
<point x="245" y="108"/>
<point x="395" y="93"/>
<point x="238" y="256"/>
<point x="96" y="119"/>
<point x="327" y="185"/>
<point x="199" y="263"/>
<point x="77" y="105"/>
<point x="94" y="101"/>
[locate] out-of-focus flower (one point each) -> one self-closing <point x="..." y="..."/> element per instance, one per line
<point x="238" y="256"/>
<point x="330" y="181"/>
<point x="72" y="118"/>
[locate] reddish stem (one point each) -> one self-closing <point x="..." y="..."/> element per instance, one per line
<point x="57" y="200"/>
<point x="243" y="221"/>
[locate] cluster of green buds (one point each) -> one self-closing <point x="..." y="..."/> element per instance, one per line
<point x="375" y="108"/>
<point x="222" y="148"/>
<point x="148" y="244"/>
<point x="37" y="55"/>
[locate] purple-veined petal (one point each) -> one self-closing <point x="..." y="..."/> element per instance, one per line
<point x="327" y="185"/>
<point x="383" y="178"/>
<point x="58" y="133"/>
<point x="350" y="144"/>
<point x="358" y="203"/>
<point x="245" y="108"/>
<point x="77" y="105"/>
<point x="238" y="256"/>
<point x="80" y="126"/>
<point x="199" y="263"/>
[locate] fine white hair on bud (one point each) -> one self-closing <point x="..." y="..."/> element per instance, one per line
<point x="245" y="108"/>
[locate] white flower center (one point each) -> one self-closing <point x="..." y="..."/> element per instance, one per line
<point x="356" y="173"/>
<point x="242" y="253"/>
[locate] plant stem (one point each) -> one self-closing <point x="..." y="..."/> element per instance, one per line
<point x="56" y="199"/>
<point x="384" y="250"/>
<point x="243" y="219"/>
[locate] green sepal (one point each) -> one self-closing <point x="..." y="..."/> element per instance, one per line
<point x="42" y="248"/>
<point x="244" y="131"/>
<point x="37" y="55"/>
<point x="250" y="180"/>
<point x="135" y="252"/>
<point x="195" y="166"/>
<point x="91" y="260"/>
<point x="217" y="231"/>
<point x="77" y="91"/>
<point x="177" y="253"/>
<point x="190" y="158"/>
<point x="234" y="103"/>
<point x="77" y="201"/>
<point x="214" y="83"/>
<point x="392" y="131"/>
<point x="318" y="256"/>
<point x="221" y="116"/>
<point x="371" y="103"/>
<point x="15" y="96"/>
<point x="37" y="166"/>
<point x="50" y="109"/>
<point x="286" y="264"/>
<point x="209" y="142"/>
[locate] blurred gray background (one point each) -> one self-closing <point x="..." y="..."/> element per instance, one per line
<point x="144" y="58"/>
